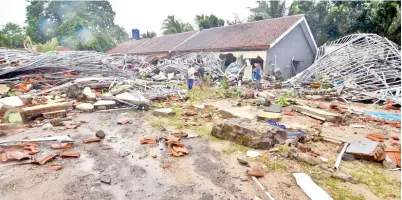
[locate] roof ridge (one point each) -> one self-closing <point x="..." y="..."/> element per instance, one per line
<point x="175" y="34"/>
<point x="259" y="21"/>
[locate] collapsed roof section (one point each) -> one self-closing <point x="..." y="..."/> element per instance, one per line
<point x="367" y="66"/>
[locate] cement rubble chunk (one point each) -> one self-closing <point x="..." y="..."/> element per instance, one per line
<point x="163" y="112"/>
<point x="135" y="98"/>
<point x="4" y="89"/>
<point x="249" y="133"/>
<point x="13" y="101"/>
<point x="85" y="107"/>
<point x="105" y="103"/>
<point x="106" y="179"/>
<point x="88" y="93"/>
<point x="15" y="117"/>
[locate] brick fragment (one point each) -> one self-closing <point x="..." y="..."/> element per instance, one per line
<point x="69" y="154"/>
<point x="92" y="140"/>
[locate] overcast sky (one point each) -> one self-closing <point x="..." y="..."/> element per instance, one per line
<point x="147" y="15"/>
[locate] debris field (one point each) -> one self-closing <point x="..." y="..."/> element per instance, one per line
<point x="88" y="125"/>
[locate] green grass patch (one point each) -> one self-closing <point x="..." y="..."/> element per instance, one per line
<point x="198" y="95"/>
<point x="375" y="177"/>
<point x="283" y="148"/>
<point x="272" y="165"/>
<point x="338" y="190"/>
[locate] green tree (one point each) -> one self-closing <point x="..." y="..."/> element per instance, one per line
<point x="119" y="34"/>
<point x="12" y="36"/>
<point x="206" y="22"/>
<point x="171" y="26"/>
<point x="315" y="13"/>
<point x="267" y="10"/>
<point x="35" y="13"/>
<point x="386" y="19"/>
<point x="78" y="25"/>
<point x="148" y="34"/>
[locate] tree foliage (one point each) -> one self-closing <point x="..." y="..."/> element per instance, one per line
<point x="206" y="22"/>
<point x="267" y="10"/>
<point x="48" y="46"/>
<point x="171" y="26"/>
<point x="12" y="36"/>
<point x="329" y="20"/>
<point x="148" y="34"/>
<point x="78" y="25"/>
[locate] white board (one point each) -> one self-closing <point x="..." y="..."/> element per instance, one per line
<point x="310" y="188"/>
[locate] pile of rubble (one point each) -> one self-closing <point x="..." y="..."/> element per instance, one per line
<point x="42" y="87"/>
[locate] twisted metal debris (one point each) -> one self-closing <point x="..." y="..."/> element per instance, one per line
<point x="366" y="66"/>
<point x="88" y="62"/>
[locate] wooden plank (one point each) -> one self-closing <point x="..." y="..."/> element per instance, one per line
<point x="319" y="114"/>
<point x="40" y="109"/>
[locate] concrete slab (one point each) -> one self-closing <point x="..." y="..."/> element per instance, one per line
<point x="105" y="103"/>
<point x="13" y="101"/>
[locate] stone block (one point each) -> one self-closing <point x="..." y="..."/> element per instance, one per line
<point x="249" y="133"/>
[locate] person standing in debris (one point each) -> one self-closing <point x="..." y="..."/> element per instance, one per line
<point x="201" y="72"/>
<point x="190" y="77"/>
<point x="257" y="75"/>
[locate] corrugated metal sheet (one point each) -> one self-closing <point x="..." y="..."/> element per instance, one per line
<point x="125" y="47"/>
<point x="163" y="44"/>
<point x="253" y="35"/>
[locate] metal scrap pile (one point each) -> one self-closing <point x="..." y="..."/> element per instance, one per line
<point x="178" y="64"/>
<point x="15" y="63"/>
<point x="359" y="67"/>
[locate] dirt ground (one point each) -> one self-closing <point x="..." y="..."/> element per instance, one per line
<point x="209" y="171"/>
<point x="203" y="174"/>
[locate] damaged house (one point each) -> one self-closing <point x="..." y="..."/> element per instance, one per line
<point x="283" y="46"/>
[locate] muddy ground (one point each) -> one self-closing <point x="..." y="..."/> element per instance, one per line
<point x="209" y="171"/>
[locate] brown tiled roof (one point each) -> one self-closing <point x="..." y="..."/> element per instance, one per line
<point x="125" y="47"/>
<point x="163" y="44"/>
<point x="253" y="35"/>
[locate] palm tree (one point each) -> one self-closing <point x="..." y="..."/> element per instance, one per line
<point x="171" y="26"/>
<point x="267" y="10"/>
